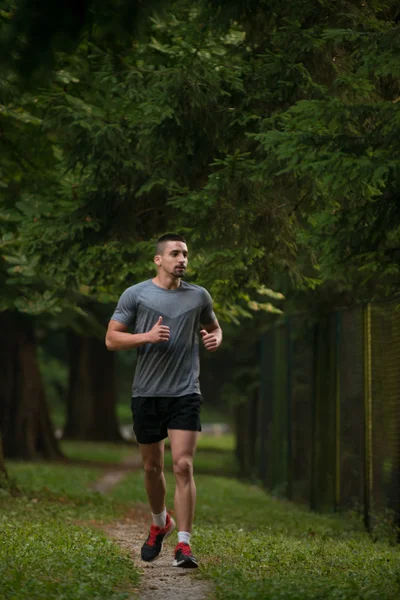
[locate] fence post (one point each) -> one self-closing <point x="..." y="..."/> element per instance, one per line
<point x="338" y="324"/>
<point x="252" y="433"/>
<point x="368" y="474"/>
<point x="289" y="367"/>
<point x="240" y="440"/>
<point x="314" y="423"/>
<point x="262" y="441"/>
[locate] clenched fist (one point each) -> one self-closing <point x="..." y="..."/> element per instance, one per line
<point x="209" y="340"/>
<point x="158" y="333"/>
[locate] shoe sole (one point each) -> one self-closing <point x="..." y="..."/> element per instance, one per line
<point x="185" y="564"/>
<point x="171" y="530"/>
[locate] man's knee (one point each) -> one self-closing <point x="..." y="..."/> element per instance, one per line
<point x="152" y="469"/>
<point x="183" y="467"/>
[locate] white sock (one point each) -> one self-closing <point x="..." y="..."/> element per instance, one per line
<point x="161" y="519"/>
<point x="184" y="536"/>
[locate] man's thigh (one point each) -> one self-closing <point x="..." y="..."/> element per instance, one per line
<point x="152" y="455"/>
<point x="183" y="443"/>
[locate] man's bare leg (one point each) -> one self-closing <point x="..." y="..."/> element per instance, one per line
<point x="163" y="525"/>
<point x="183" y="447"/>
<point x="154" y="480"/>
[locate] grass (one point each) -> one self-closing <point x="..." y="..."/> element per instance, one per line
<point x="106" y="453"/>
<point x="51" y="477"/>
<point x="210" y="462"/>
<point x="217" y="442"/>
<point x="46" y="558"/>
<point x="250" y="544"/>
<point x="51" y="545"/>
<point x="224" y="442"/>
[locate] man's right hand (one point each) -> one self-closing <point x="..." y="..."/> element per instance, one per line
<point x="158" y="333"/>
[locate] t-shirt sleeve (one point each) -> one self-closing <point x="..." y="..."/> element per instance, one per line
<point x="207" y="315"/>
<point x="125" y="312"/>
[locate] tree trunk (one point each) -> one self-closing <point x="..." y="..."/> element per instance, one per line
<point x="92" y="394"/>
<point x="25" y="423"/>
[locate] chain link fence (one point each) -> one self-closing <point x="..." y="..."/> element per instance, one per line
<point x="324" y="426"/>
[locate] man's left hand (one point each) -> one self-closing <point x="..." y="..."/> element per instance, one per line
<point x="209" y="340"/>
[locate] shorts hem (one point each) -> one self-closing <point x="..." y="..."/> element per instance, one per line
<point x="166" y="395"/>
<point x="156" y="441"/>
<point x="198" y="429"/>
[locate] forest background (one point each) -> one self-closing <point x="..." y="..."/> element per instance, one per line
<point x="267" y="134"/>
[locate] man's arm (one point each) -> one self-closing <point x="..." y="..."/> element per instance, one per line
<point x="212" y="336"/>
<point x="118" y="338"/>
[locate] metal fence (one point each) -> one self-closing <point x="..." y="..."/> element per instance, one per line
<point x="324" y="426"/>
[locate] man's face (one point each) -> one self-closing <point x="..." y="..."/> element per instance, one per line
<point x="174" y="259"/>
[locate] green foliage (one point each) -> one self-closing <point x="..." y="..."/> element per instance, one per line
<point x="266" y="133"/>
<point x="338" y="145"/>
<point x="151" y="140"/>
<point x="35" y="31"/>
<point x="29" y="171"/>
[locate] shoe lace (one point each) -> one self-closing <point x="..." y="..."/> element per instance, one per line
<point x="184" y="548"/>
<point x="154" y="531"/>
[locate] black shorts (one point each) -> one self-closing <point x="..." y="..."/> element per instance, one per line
<point x="153" y="416"/>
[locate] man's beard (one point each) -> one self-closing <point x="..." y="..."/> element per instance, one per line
<point x="179" y="274"/>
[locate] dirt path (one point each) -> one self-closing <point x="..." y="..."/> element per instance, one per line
<point x="160" y="580"/>
<point x="111" y="477"/>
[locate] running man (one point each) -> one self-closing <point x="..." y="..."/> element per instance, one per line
<point x="166" y="315"/>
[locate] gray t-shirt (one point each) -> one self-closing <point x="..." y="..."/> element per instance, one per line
<point x="168" y="368"/>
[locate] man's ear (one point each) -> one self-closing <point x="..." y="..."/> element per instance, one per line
<point x="157" y="260"/>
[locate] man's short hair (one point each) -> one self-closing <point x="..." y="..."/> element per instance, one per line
<point x="168" y="237"/>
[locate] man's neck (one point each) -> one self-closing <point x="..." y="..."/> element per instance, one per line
<point x="167" y="283"/>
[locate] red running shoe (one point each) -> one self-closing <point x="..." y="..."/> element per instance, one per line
<point x="184" y="557"/>
<point x="154" y="543"/>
